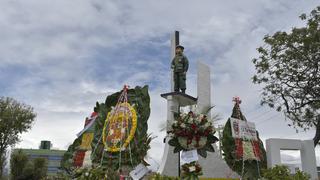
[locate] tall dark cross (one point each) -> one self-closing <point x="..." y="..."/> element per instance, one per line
<point x="175" y="41"/>
<point x="176" y="34"/>
<point x="237" y="112"/>
<point x="237" y="100"/>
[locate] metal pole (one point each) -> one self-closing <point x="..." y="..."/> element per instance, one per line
<point x="179" y="170"/>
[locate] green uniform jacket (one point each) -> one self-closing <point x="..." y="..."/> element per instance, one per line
<point x="180" y="64"/>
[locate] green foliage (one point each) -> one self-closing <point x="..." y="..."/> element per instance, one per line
<point x="67" y="159"/>
<point x="59" y="176"/>
<point x="18" y="162"/>
<point x="276" y="173"/>
<point x="228" y="146"/>
<point x="40" y="168"/>
<point x="194" y="174"/>
<point x="15" y="118"/>
<point x="288" y="68"/>
<point x="23" y="168"/>
<point x="157" y="176"/>
<point x="300" y="175"/>
<point x="96" y="173"/>
<point x="283" y="173"/>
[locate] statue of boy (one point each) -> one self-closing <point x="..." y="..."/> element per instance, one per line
<point x="180" y="67"/>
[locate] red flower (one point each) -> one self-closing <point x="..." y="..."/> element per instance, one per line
<point x="189" y="140"/>
<point x="239" y="148"/>
<point x="256" y="150"/>
<point x="194" y="127"/>
<point x="203" y="118"/>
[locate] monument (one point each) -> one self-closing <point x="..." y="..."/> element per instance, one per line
<point x="308" y="157"/>
<point x="213" y="165"/>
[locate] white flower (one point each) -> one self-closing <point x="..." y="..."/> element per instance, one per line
<point x="123" y="130"/>
<point x="192" y="168"/>
<point x="111" y="132"/>
<point x="86" y="174"/>
<point x="203" y="141"/>
<point x="183" y="125"/>
<point x="183" y="142"/>
<point x="207" y="124"/>
<point x="175" y="123"/>
<point x="183" y="115"/>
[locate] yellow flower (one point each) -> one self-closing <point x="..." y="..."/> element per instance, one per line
<point x="122" y="116"/>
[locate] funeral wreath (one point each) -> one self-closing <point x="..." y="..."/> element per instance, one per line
<point x="192" y="131"/>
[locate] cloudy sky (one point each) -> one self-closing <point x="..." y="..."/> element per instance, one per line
<point x="63" y="56"/>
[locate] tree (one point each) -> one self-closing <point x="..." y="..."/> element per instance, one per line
<point x="40" y="167"/>
<point x="283" y="172"/>
<point x="15" y="118"/>
<point x="288" y="69"/>
<point x="23" y="168"/>
<point x="17" y="163"/>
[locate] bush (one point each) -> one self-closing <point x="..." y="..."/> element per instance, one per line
<point x="157" y="176"/>
<point x="283" y="172"/>
<point x="23" y="168"/>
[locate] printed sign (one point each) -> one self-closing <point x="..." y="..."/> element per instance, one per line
<point x="243" y="129"/>
<point x="188" y="156"/>
<point x="139" y="172"/>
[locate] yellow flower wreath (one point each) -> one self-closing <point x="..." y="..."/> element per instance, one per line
<point x="119" y="117"/>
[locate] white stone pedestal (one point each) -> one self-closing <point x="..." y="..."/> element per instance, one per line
<point x="170" y="161"/>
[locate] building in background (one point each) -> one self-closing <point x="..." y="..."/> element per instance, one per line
<point x="53" y="156"/>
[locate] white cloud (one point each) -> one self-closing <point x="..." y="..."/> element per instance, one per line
<point x="63" y="56"/>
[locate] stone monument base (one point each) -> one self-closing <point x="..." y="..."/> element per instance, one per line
<point x="213" y="166"/>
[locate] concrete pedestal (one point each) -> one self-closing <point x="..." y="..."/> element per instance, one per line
<point x="170" y="161"/>
<point x="215" y="167"/>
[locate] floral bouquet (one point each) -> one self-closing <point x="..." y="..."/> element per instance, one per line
<point x="191" y="171"/>
<point x="193" y="131"/>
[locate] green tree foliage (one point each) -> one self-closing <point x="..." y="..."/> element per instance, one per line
<point x="40" y="167"/>
<point x="23" y="168"/>
<point x="282" y="172"/>
<point x="18" y="162"/>
<point x="288" y="68"/>
<point x="15" y="118"/>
